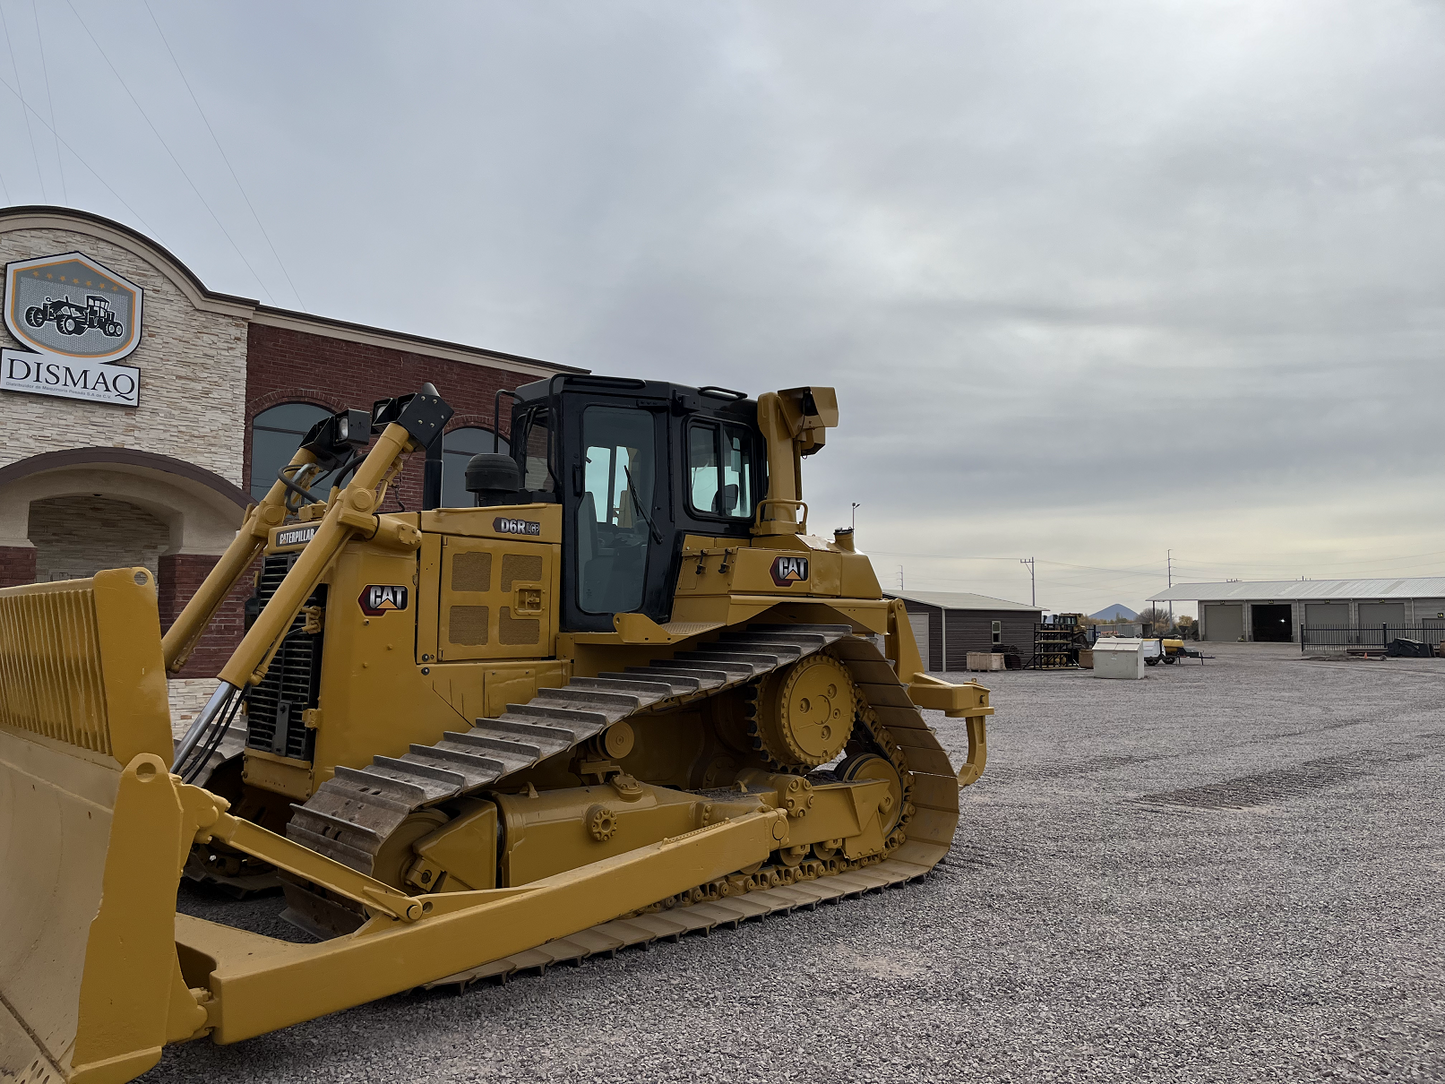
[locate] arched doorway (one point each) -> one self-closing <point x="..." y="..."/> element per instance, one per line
<point x="77" y="536"/>
<point x="69" y="514"/>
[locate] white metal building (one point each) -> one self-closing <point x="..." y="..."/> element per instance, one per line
<point x="1274" y="610"/>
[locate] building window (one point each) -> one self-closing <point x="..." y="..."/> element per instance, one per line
<point x="997" y="633"/>
<point x="458" y="447"/>
<point x="275" y="436"/>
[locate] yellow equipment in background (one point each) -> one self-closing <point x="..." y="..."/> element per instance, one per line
<point x="1172" y="649"/>
<point x="624" y="682"/>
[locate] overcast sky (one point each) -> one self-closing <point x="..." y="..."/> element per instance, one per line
<point x="1093" y="280"/>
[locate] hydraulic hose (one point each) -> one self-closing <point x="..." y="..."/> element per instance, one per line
<point x="215" y="712"/>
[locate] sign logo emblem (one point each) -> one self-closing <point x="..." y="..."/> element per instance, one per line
<point x="789" y="570"/>
<point x="379" y="599"/>
<point x="71" y="306"/>
<point x="77" y="317"/>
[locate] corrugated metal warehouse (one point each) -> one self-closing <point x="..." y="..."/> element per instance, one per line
<point x="950" y="624"/>
<point x="1274" y="610"/>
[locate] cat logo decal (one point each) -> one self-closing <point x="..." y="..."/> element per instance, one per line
<point x="378" y="599"/>
<point x="789" y="570"/>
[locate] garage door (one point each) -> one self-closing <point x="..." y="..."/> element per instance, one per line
<point x="1375" y="614"/>
<point x="1269" y="622"/>
<point x="920" y="633"/>
<point x="1223" y="622"/>
<point x="1327" y="624"/>
<point x="1331" y="615"/>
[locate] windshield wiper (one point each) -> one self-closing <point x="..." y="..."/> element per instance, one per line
<point x="637" y="503"/>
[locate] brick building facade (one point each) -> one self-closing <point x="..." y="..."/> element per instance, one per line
<point x="88" y="484"/>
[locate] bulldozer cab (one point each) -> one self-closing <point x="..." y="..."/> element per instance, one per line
<point x="636" y="466"/>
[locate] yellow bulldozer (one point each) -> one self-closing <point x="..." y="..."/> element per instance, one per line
<point x="626" y="686"/>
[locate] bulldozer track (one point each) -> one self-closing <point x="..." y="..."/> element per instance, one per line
<point x="351" y="816"/>
<point x="607" y="939"/>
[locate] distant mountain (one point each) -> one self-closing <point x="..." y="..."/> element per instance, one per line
<point x="1116" y="612"/>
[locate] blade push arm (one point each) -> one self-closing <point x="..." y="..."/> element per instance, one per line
<point x="181" y="638"/>
<point x="348" y="512"/>
<point x="409" y="423"/>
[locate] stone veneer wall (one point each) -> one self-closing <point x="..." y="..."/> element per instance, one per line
<point x="76" y="537"/>
<point x="192" y="373"/>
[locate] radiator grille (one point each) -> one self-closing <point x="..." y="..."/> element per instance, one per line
<point x="472" y="571"/>
<point x="517" y="630"/>
<point x="468" y="625"/>
<point x="292" y="684"/>
<point x="517" y="567"/>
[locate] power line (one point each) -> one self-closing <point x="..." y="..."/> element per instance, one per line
<point x="170" y="152"/>
<point x="49" y="102"/>
<point x="225" y="159"/>
<point x="939" y="556"/>
<point x="1363" y="571"/>
<point x="1150" y="574"/>
<point x="1335" y="564"/>
<point x="4" y="188"/>
<point x="1153" y="574"/>
<point x="1062" y="564"/>
<point x="1133" y="575"/>
<point x="10" y="42"/>
<point x="82" y="161"/>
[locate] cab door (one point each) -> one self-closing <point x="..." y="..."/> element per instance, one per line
<point x="617" y="520"/>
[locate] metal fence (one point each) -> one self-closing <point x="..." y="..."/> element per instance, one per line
<point x="1342" y="638"/>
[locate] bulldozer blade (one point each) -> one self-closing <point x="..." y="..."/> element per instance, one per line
<point x="95" y="831"/>
<point x="90" y="985"/>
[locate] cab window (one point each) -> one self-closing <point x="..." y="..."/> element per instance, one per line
<point x="719" y="463"/>
<point x="537" y="474"/>
<point x="619" y="476"/>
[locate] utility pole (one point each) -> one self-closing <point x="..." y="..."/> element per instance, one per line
<point x="856" y="506"/>
<point x="1033" y="593"/>
<point x="1170" y="566"/>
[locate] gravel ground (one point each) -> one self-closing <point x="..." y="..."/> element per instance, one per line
<point x="1223" y="872"/>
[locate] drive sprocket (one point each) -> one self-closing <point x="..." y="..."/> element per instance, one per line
<point x="803" y="716"/>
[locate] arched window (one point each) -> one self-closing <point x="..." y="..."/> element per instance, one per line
<point x="275" y="435"/>
<point x="458" y="446"/>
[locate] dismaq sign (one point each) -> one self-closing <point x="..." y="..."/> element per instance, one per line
<point x="79" y="317"/>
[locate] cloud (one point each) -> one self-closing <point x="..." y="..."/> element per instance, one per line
<point x="1094" y="280"/>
